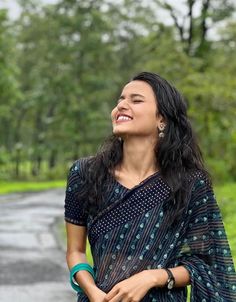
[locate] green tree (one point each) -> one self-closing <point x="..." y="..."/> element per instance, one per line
<point x="9" y="95"/>
<point x="74" y="56"/>
<point x="193" y="20"/>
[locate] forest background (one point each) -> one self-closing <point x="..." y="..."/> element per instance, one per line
<point x="62" y="67"/>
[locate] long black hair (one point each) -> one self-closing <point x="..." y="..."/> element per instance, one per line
<point x="177" y="153"/>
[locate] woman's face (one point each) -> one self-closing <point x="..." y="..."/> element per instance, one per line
<point x="136" y="111"/>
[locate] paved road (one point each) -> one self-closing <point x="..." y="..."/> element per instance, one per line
<point x="32" y="263"/>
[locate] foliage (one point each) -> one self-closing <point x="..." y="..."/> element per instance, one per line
<point x="63" y="65"/>
<point x="9" y="90"/>
<point x="227" y="201"/>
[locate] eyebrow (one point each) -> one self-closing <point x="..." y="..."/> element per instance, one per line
<point x="132" y="96"/>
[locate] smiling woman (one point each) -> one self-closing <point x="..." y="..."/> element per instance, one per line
<point x="146" y="203"/>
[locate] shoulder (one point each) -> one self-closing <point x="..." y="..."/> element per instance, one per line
<point x="79" y="167"/>
<point x="76" y="177"/>
<point x="199" y="178"/>
<point x="201" y="193"/>
<point x="199" y="184"/>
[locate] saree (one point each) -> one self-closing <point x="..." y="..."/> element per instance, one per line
<point x="132" y="234"/>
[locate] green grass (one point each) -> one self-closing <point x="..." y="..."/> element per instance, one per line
<point x="29" y="186"/>
<point x="226" y="197"/>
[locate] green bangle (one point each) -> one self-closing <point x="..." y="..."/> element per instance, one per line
<point x="77" y="268"/>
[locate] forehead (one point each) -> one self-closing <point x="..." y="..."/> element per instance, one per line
<point x="138" y="87"/>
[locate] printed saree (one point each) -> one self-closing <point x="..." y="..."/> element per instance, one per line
<point x="132" y="234"/>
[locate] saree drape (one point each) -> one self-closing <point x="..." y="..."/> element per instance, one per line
<point x="132" y="234"/>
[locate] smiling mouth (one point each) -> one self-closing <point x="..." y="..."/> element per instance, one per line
<point x="123" y="118"/>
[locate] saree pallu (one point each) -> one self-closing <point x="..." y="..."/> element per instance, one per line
<point x="132" y="234"/>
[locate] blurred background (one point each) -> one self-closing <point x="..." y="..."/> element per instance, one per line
<point x="62" y="66"/>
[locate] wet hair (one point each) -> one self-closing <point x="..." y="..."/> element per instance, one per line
<point x="178" y="154"/>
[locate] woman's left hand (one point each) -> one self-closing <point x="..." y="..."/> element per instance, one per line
<point x="132" y="289"/>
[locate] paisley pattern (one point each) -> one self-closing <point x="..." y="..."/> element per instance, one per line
<point x="132" y="234"/>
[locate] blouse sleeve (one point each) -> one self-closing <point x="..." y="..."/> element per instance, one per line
<point x="205" y="251"/>
<point x="75" y="212"/>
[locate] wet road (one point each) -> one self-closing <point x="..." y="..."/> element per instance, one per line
<point x="32" y="263"/>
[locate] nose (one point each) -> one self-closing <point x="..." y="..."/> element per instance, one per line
<point x="123" y="104"/>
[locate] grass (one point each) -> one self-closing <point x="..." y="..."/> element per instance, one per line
<point x="226" y="197"/>
<point x="29" y="186"/>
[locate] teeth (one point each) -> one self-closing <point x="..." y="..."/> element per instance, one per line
<point x="123" y="118"/>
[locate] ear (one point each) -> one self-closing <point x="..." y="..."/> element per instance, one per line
<point x="161" y="123"/>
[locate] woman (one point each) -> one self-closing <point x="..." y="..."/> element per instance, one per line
<point x="146" y="203"/>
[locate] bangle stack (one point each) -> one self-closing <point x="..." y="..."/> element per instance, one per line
<point x="75" y="269"/>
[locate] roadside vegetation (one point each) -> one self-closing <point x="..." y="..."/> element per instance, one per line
<point x="30" y="186"/>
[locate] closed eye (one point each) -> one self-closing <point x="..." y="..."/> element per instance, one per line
<point x="137" y="101"/>
<point x="132" y="100"/>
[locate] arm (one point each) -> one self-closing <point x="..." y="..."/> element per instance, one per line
<point x="159" y="277"/>
<point x="76" y="253"/>
<point x="136" y="287"/>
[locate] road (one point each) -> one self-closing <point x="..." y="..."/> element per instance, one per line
<point x="32" y="262"/>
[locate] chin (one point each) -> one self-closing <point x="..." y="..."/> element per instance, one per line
<point x="122" y="134"/>
<point x="119" y="133"/>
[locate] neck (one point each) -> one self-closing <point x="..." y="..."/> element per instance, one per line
<point x="139" y="157"/>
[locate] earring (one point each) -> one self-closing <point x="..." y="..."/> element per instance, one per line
<point x="161" y="130"/>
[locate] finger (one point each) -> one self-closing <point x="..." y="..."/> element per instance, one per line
<point x="111" y="294"/>
<point x="117" y="298"/>
<point x="126" y="299"/>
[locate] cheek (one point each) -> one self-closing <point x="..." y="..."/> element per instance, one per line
<point x="113" y="113"/>
<point x="150" y="120"/>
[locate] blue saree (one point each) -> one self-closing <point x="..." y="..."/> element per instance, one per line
<point x="132" y="233"/>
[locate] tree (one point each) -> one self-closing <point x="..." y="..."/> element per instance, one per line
<point x="9" y="94"/>
<point x="195" y="20"/>
<point x="74" y="56"/>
